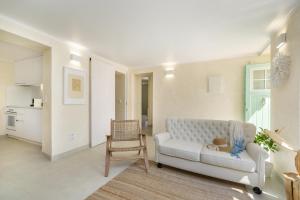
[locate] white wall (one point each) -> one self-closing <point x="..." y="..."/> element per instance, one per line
<point x="6" y="80"/>
<point x="65" y="119"/>
<point x="186" y="94"/>
<point x="285" y="107"/>
<point x="102" y="97"/>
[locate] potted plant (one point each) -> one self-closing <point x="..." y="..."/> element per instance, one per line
<point x="263" y="139"/>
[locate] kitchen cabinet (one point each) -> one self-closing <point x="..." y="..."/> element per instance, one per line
<point x="29" y="71"/>
<point x="32" y="124"/>
<point x="28" y="124"/>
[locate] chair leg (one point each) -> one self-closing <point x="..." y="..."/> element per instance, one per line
<point x="139" y="153"/>
<point x="146" y="159"/>
<point x="145" y="152"/>
<point x="107" y="161"/>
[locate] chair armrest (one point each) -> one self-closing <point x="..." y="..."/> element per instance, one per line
<point x="259" y="155"/>
<point x="161" y="137"/>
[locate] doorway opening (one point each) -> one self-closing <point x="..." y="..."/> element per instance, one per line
<point x="25" y="90"/>
<point x="120" y="96"/>
<point x="258" y="95"/>
<point x="145" y="101"/>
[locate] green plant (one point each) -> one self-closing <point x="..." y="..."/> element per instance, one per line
<point x="263" y="139"/>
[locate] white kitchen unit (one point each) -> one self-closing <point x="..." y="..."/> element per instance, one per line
<point x="24" y="123"/>
<point x="29" y="71"/>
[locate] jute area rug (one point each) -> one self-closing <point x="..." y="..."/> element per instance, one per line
<point x="165" y="184"/>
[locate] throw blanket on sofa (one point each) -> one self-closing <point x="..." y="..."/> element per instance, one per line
<point x="237" y="138"/>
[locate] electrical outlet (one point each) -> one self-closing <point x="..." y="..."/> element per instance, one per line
<point x="72" y="136"/>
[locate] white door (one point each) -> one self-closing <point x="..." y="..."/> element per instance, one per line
<point x="102" y="100"/>
<point x="120" y="96"/>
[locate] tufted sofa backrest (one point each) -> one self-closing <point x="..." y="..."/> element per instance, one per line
<point x="204" y="131"/>
<point x="197" y="130"/>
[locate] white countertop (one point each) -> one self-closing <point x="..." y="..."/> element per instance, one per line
<point x="25" y="107"/>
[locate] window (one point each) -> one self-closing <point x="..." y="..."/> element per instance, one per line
<point x="260" y="79"/>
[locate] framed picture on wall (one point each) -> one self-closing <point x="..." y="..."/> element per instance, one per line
<point x="74" y="86"/>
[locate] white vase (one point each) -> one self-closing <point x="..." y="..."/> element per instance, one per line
<point x="268" y="169"/>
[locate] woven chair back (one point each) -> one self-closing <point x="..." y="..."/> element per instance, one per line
<point x="125" y="130"/>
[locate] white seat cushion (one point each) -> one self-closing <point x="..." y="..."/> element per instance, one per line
<point x="224" y="159"/>
<point x="181" y="149"/>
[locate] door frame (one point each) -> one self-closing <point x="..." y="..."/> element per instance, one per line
<point x="137" y="106"/>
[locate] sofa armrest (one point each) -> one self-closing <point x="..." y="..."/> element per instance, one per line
<point x="259" y="155"/>
<point x="159" y="139"/>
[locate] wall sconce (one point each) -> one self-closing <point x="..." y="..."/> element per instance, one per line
<point x="281" y="41"/>
<point x="169" y="75"/>
<point x="75" y="59"/>
<point x="169" y="69"/>
<point x="169" y="72"/>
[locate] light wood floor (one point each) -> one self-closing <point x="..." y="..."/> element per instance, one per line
<point x="167" y="183"/>
<point x="26" y="174"/>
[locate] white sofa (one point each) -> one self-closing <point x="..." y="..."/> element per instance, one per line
<point x="184" y="146"/>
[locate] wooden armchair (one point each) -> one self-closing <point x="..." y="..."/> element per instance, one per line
<point x="126" y="130"/>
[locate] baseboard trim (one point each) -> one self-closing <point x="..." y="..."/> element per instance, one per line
<point x="68" y="153"/>
<point x="47" y="156"/>
<point x="25" y="140"/>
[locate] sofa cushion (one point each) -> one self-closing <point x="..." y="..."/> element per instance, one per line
<point x="181" y="149"/>
<point x="224" y="159"/>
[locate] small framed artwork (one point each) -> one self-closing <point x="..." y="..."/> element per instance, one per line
<point x="74" y="86"/>
<point x="215" y="84"/>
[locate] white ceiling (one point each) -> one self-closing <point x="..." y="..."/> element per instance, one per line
<point x="143" y="33"/>
<point x="10" y="52"/>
